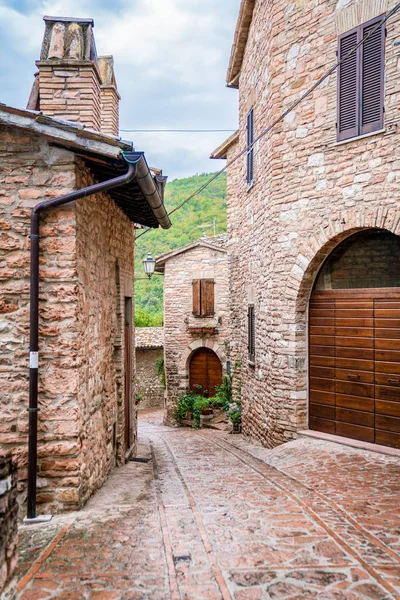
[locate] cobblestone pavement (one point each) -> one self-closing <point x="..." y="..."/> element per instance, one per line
<point x="211" y="517"/>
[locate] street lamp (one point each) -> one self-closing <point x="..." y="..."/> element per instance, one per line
<point x="149" y="265"/>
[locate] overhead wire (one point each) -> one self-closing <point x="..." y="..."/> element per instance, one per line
<point x="284" y="114"/>
<point x="177" y="130"/>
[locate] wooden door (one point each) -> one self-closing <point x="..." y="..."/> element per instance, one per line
<point x="128" y="384"/>
<point x="355" y="364"/>
<point x="205" y="370"/>
<point x="387" y="371"/>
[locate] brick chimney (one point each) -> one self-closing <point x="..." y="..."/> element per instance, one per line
<point x="73" y="83"/>
<point x="109" y="97"/>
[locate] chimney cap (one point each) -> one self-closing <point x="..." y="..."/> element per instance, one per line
<point x="68" y="20"/>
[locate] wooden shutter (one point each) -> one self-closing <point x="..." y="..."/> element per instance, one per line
<point x="361" y="81"/>
<point x="250" y="153"/>
<point x="251" y="332"/>
<point x="196" y="297"/>
<point x="348" y="88"/>
<point x="372" y="77"/>
<point x="207" y="297"/>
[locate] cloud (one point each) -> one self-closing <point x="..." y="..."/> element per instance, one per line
<point x="170" y="58"/>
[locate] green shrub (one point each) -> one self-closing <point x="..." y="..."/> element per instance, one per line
<point x="199" y="405"/>
<point x="223" y="397"/>
<point x="235" y="413"/>
<point x="185" y="405"/>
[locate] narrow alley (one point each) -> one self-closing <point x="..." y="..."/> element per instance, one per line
<point x="207" y="517"/>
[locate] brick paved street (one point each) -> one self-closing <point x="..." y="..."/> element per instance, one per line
<point x="213" y="517"/>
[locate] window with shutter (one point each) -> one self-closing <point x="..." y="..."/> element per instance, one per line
<point x="203" y="297"/>
<point x="251" y="332"/>
<point x="207" y="297"/>
<point x="361" y="81"/>
<point x="372" y="82"/>
<point x="196" y="286"/>
<point x="250" y="152"/>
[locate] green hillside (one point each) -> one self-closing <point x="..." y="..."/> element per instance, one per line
<point x="188" y="224"/>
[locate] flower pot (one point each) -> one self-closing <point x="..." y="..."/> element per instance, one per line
<point x="237" y="428"/>
<point x="207" y="411"/>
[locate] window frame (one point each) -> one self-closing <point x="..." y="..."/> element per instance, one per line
<point x="251" y="334"/>
<point x="250" y="151"/>
<point x="361" y="130"/>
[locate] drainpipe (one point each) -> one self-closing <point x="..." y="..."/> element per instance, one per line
<point x="34" y="324"/>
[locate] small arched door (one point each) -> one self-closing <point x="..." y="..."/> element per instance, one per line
<point x="354" y="343"/>
<point x="205" y="370"/>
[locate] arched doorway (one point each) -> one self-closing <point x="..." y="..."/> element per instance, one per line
<point x="205" y="370"/>
<point x="354" y="340"/>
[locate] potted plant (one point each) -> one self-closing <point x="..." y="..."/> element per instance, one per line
<point x="202" y="411"/>
<point x="184" y="409"/>
<point x="235" y="417"/>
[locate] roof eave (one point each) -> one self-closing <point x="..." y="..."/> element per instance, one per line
<point x="163" y="258"/>
<point x="239" y="42"/>
<point x="222" y="150"/>
<point x="67" y="132"/>
<point x="78" y="139"/>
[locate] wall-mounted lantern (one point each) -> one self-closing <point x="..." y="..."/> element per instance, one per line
<point x="149" y="264"/>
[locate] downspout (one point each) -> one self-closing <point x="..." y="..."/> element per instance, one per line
<point x="34" y="321"/>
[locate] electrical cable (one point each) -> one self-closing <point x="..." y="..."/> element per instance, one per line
<point x="177" y="130"/>
<point x="284" y="114"/>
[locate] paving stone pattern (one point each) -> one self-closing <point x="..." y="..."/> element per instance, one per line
<point x="212" y="516"/>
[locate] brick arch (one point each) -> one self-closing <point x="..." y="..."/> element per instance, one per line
<point x="195" y="345"/>
<point x="302" y="278"/>
<point x="317" y="248"/>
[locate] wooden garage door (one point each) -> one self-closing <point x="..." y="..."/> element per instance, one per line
<point x="355" y="364"/>
<point x="205" y="370"/>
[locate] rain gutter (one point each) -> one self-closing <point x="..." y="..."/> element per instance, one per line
<point x="151" y="187"/>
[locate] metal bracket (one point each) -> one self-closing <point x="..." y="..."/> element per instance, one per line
<point x="33" y="410"/>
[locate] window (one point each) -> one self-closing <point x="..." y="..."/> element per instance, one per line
<point x="203" y="297"/>
<point x="361" y="81"/>
<point x="251" y="333"/>
<point x="250" y="152"/>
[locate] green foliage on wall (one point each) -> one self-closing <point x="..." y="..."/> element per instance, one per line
<point x="188" y="224"/>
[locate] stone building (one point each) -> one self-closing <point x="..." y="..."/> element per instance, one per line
<point x="8" y="526"/>
<point x="65" y="141"/>
<point x="149" y="344"/>
<point x="195" y="318"/>
<point x="313" y="219"/>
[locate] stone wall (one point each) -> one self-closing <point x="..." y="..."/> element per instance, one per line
<point x="148" y="383"/>
<point x="32" y="171"/>
<point x="309" y="194"/>
<point x="180" y="270"/>
<point x="105" y="249"/>
<point x="81" y="387"/>
<point x="8" y="526"/>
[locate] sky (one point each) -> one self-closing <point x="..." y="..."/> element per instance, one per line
<point x="171" y="58"/>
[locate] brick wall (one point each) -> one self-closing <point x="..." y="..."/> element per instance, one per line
<point x="86" y="271"/>
<point x="180" y="271"/>
<point x="71" y="91"/>
<point x="147" y="381"/>
<point x="309" y="195"/>
<point x="8" y="526"/>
